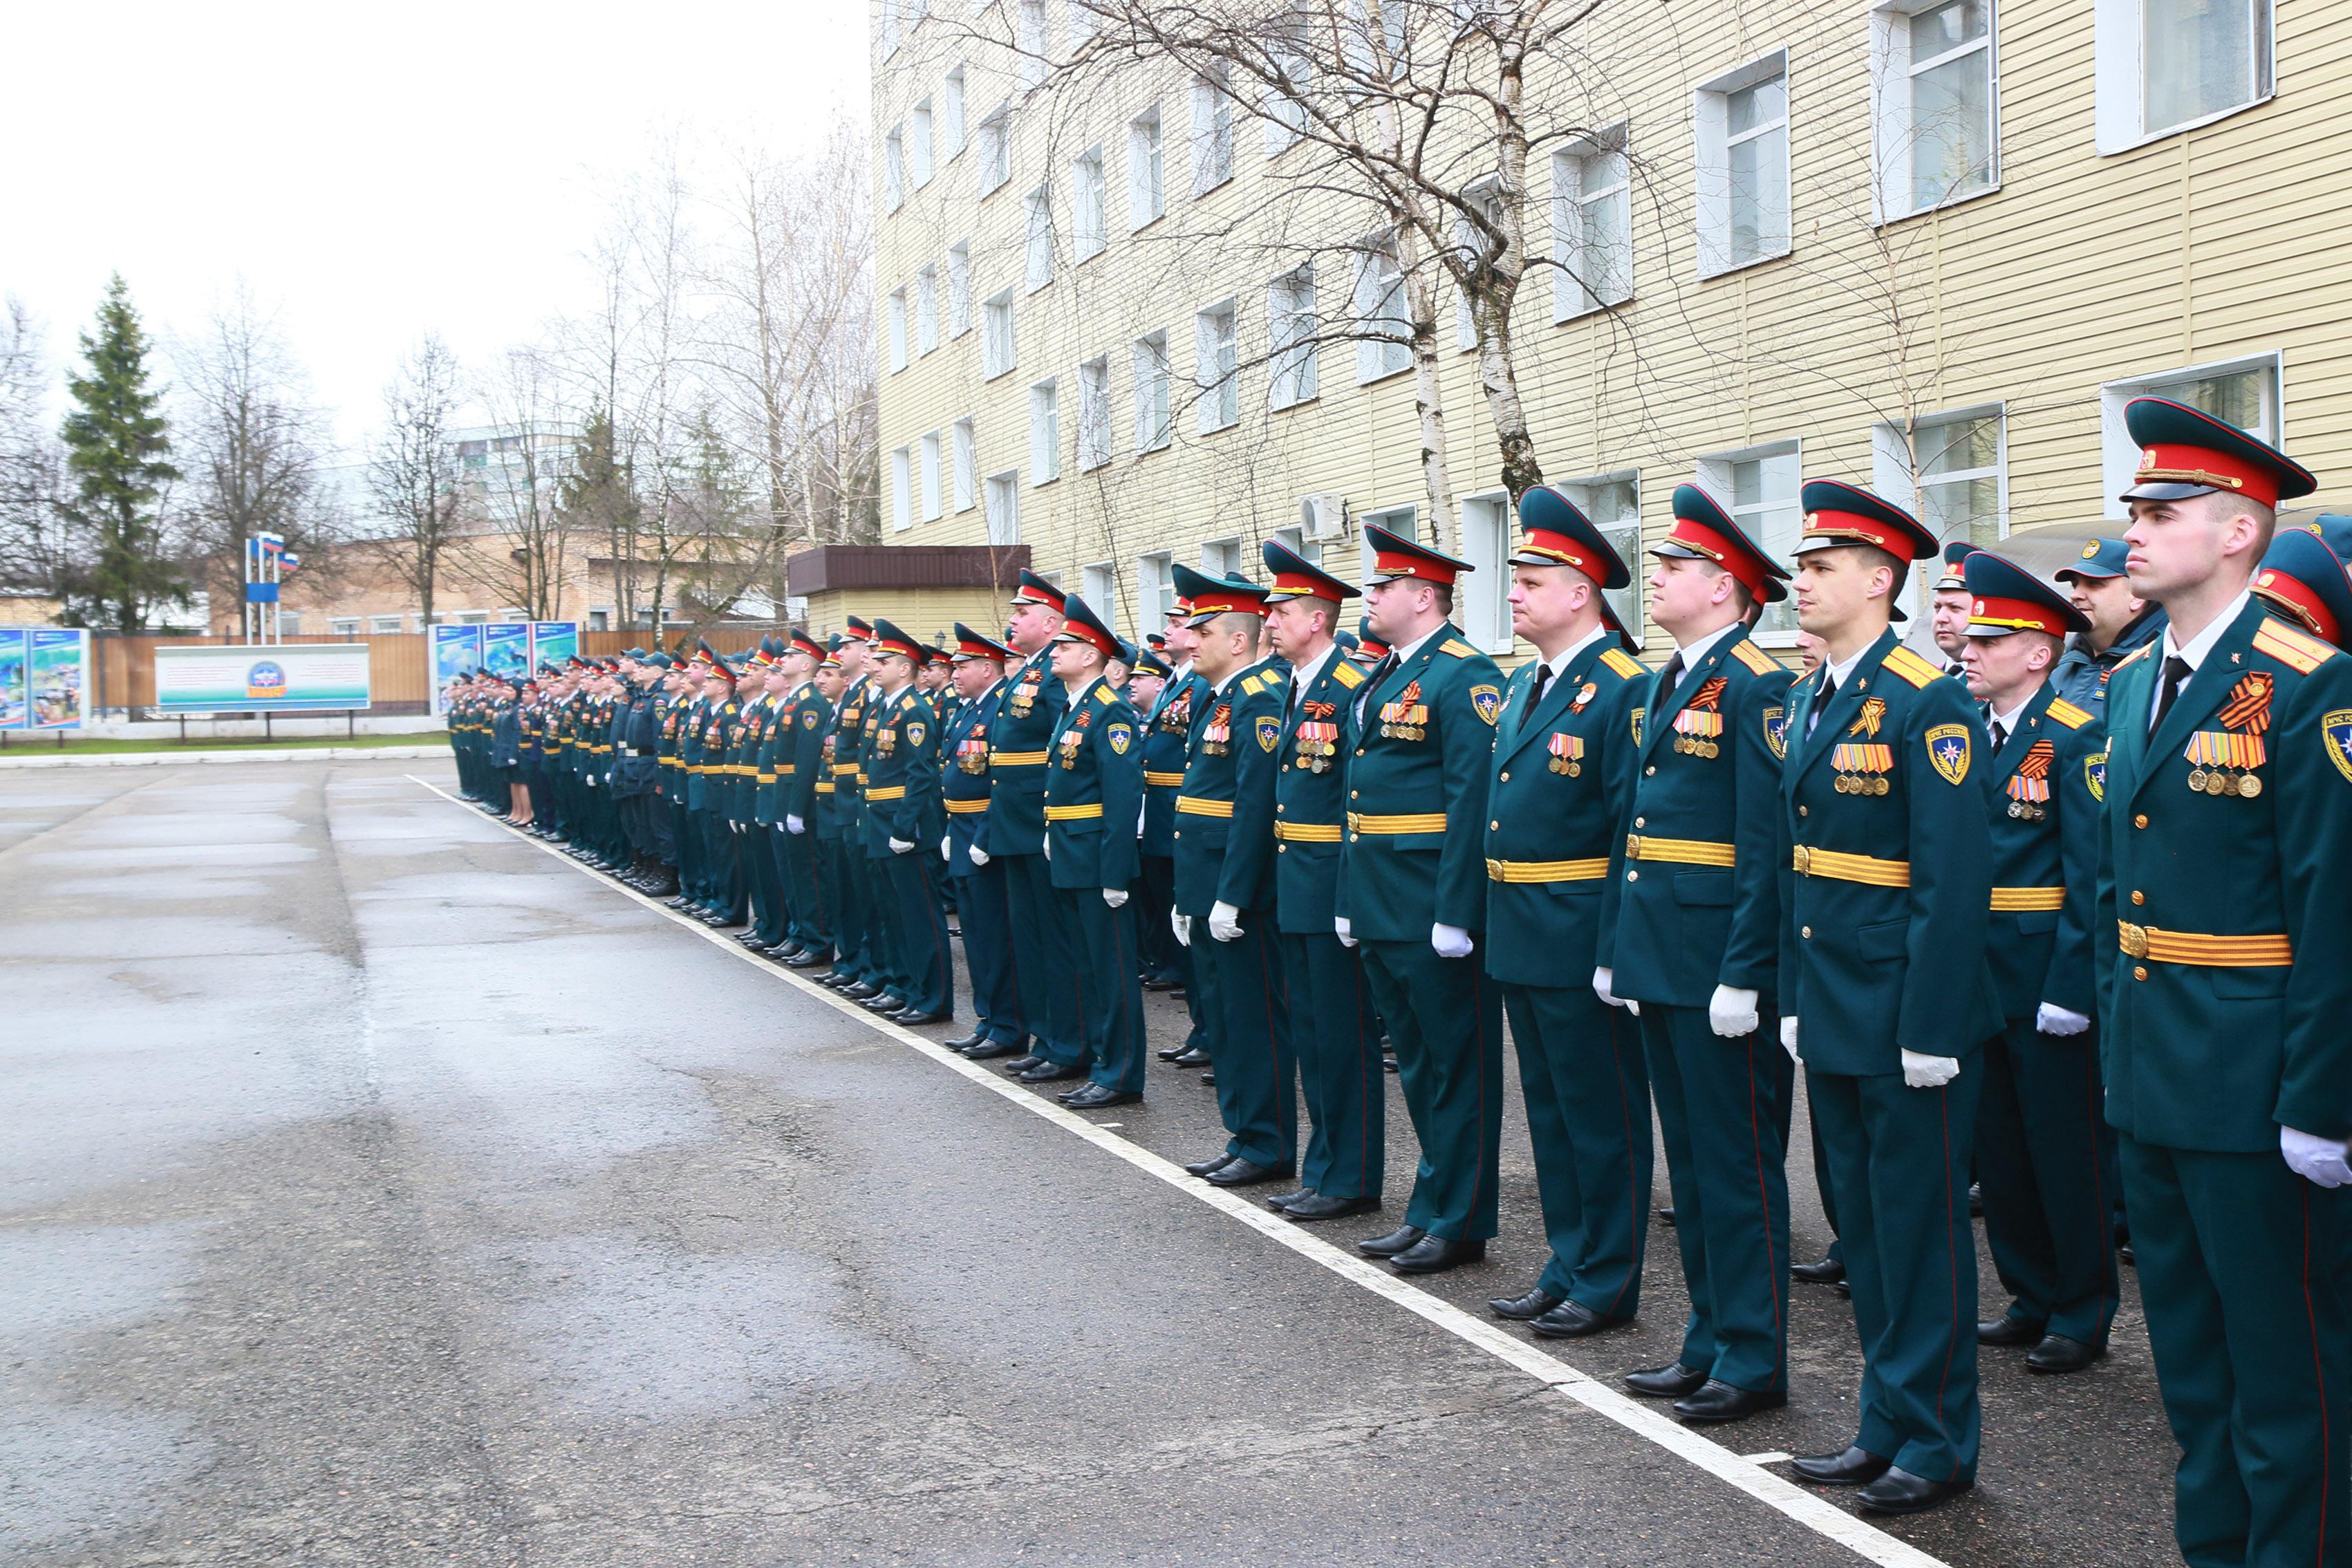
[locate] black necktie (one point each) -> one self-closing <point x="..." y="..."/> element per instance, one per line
<point x="1670" y="677"/>
<point x="1543" y="681"/>
<point x="1820" y="703"/>
<point x="1999" y="737"/>
<point x="2176" y="674"/>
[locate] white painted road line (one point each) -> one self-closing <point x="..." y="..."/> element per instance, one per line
<point x="1746" y="1473"/>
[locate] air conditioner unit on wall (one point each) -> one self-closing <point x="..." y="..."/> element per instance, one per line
<point x="1323" y="517"/>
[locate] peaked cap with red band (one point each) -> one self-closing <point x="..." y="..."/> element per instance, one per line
<point x="1080" y="623"/>
<point x="888" y="639"/>
<point x="1210" y="597"/>
<point x="1296" y="577"/>
<point x="1956" y="554"/>
<point x="970" y="645"/>
<point x="2303" y="576"/>
<point x="1368" y="641"/>
<point x="1703" y="530"/>
<point x="2185" y="452"/>
<point x="2005" y="597"/>
<point x="861" y="629"/>
<point x="1557" y="533"/>
<point x="803" y="643"/>
<point x="1395" y="556"/>
<point x="1839" y="514"/>
<point x="1036" y="590"/>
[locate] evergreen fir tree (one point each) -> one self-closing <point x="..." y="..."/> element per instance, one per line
<point x="118" y="455"/>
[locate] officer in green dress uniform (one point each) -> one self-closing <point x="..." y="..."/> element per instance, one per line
<point x="1335" y="1031"/>
<point x="799" y="762"/>
<point x="1413" y="892"/>
<point x="2040" y="1159"/>
<point x="825" y="820"/>
<point x="1094" y="792"/>
<point x="751" y="784"/>
<point x="903" y="815"/>
<point x="2229" y="1068"/>
<point x="1885" y="992"/>
<point x="1167" y="742"/>
<point x="1697" y="947"/>
<point x="841" y="833"/>
<point x="1226" y="885"/>
<point x="1000" y="1029"/>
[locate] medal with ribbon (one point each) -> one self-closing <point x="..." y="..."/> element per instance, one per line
<point x="2222" y="762"/>
<point x="1406" y="719"/>
<point x="1862" y="767"/>
<point x="1567" y="754"/>
<point x="1698" y="725"/>
<point x="1317" y="737"/>
<point x="1216" y="737"/>
<point x="2029" y="786"/>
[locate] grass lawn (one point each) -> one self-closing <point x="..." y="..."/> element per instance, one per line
<point x="21" y="743"/>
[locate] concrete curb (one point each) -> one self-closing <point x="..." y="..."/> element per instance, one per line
<point x="181" y="759"/>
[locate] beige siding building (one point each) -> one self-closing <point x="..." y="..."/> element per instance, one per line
<point x="1929" y="248"/>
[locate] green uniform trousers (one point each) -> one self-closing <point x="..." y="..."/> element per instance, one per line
<point x="1044" y="959"/>
<point x="2048" y="1203"/>
<point x="1337" y="1036"/>
<point x="1446" y="1018"/>
<point x="1110" y="991"/>
<point x="1241" y="985"/>
<point x="1587" y="1096"/>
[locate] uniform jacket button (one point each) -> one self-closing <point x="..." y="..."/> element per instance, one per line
<point x="2140" y="821"/>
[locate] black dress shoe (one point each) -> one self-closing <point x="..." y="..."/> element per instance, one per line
<point x="1666" y="1213"/>
<point x="1020" y="1065"/>
<point x="1241" y="1172"/>
<point x="1052" y="1072"/>
<point x="1854" y="1467"/>
<point x="807" y="961"/>
<point x="1191" y="1056"/>
<point x="1716" y="1400"/>
<point x="1434" y="1255"/>
<point x="2008" y="1331"/>
<point x="1202" y="1167"/>
<point x="1286" y="1199"/>
<point x="1671" y="1381"/>
<point x="1391" y="1244"/>
<point x="1573" y="1321"/>
<point x="989" y="1050"/>
<point x="1900" y="1491"/>
<point x="863" y="990"/>
<point x="881" y="1002"/>
<point x="1171" y="1053"/>
<point x="1318" y="1206"/>
<point x="1208" y="1080"/>
<point x="1976" y="1201"/>
<point x="917" y="1020"/>
<point x="2125" y="1253"/>
<point x="1520" y="1308"/>
<point x="784" y="951"/>
<point x="1096" y="1096"/>
<point x="2057" y="1353"/>
<point x="967" y="1042"/>
<point x="1828" y="1271"/>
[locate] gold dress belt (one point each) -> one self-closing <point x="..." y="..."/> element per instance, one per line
<point x="2206" y="951"/>
<point x="1680" y="851"/>
<point x="1865" y="869"/>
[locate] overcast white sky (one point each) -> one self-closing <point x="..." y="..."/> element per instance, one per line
<point x="376" y="171"/>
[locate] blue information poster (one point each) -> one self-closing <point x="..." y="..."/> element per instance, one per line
<point x="506" y="648"/>
<point x="16" y="703"/>
<point x="456" y="650"/>
<point x="58" y="677"/>
<point x="554" y="642"/>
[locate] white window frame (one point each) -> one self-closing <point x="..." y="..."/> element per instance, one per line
<point x="889" y="28"/>
<point x="927" y="310"/>
<point x="1153" y="428"/>
<point x="1147" y="174"/>
<point x="959" y="289"/>
<point x="1291" y="327"/>
<point x="1401" y="521"/>
<point x="1036" y="239"/>
<point x="1709" y="103"/>
<point x="999" y="348"/>
<point x="951" y="121"/>
<point x="893" y="169"/>
<point x="344" y="627"/>
<point x="1216" y="367"/>
<point x="1099" y="587"/>
<point x="1899" y="457"/>
<point x="928" y="475"/>
<point x="1624" y="536"/>
<point x="897" y="317"/>
<point x="1089" y="220"/>
<point x="920" y="163"/>
<point x="1002" y="507"/>
<point x="993" y="165"/>
<point x="376" y="627"/>
<point x="1715" y="476"/>
<point x="1284" y="113"/>
<point x="963" y="462"/>
<point x="1222" y="557"/>
<point x="1572" y="294"/>
<point x="1482" y="602"/>
<point x="1378" y="284"/>
<point x="1891" y="73"/>
<point x="1045" y="431"/>
<point x="1155" y="578"/>
<point x="1211" y="134"/>
<point x="1033" y="43"/>
<point x="902" y="505"/>
<point x="2120" y="455"/>
<point x="2120" y="66"/>
<point x="1094" y="413"/>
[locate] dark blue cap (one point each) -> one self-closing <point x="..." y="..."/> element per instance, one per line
<point x="1149" y="663"/>
<point x="2101" y="558"/>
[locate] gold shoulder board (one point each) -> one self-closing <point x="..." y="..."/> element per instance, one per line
<point x="1624" y="664"/>
<point x="1457" y="647"/>
<point x="2064" y="712"/>
<point x="1911" y="667"/>
<point x="2299" y="651"/>
<point x="1758" y="661"/>
<point x="1348" y="675"/>
<point x="1250" y="684"/>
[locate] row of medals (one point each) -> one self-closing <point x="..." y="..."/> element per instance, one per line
<point x="1567" y="765"/>
<point x="2222" y="781"/>
<point x="1405" y="732"/>
<point x="2026" y="811"/>
<point x="1692" y="746"/>
<point x="1316" y="756"/>
<point x="1861" y="783"/>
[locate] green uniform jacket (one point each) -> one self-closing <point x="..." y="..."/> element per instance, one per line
<point x="1167" y="742"/>
<point x="1095" y="771"/>
<point x="2219" y="1056"/>
<point x="1564" y="823"/>
<point x="1025" y="723"/>
<point x="1224" y="835"/>
<point x="2045" y="838"/>
<point x="1873" y="970"/>
<point x="902" y="776"/>
<point x="798" y="760"/>
<point x="1689" y="925"/>
<point x="1431" y="770"/>
<point x="1310" y="798"/>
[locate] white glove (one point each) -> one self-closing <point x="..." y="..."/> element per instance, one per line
<point x="947" y="845"/>
<point x="1345" y="929"/>
<point x="793" y="825"/>
<point x="1224" y="922"/>
<point x="1731" y="1012"/>
<point x="1604" y="981"/>
<point x="1929" y="1072"/>
<point x="1046" y="846"/>
<point x="900" y="846"/>
<point x="2319" y="1160"/>
<point x="1115" y="897"/>
<point x="1789" y="1036"/>
<point x="1182" y="926"/>
<point x="979" y="856"/>
<point x="588" y="779"/>
<point x="1451" y="942"/>
<point x="2052" y="1019"/>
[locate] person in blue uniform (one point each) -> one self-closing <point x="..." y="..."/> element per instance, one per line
<point x="1225" y="881"/>
<point x="903" y="815"/>
<point x="2040" y="1159"/>
<point x="1885" y="990"/>
<point x="2228" y="1069"/>
<point x="1000" y="1029"/>
<point x="1559" y="802"/>
<point x="1697" y="947"/>
<point x="1167" y="740"/>
<point x="1333" y="1029"/>
<point x="1413" y="892"/>
<point x="1045" y="949"/>
<point x="2121" y="624"/>
<point x="1094" y="794"/>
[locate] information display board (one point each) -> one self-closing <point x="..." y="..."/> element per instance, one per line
<point x="57" y="677"/>
<point x="279" y="678"/>
<point x="554" y="642"/>
<point x="15" y="670"/>
<point x="457" y="651"/>
<point x="506" y="648"/>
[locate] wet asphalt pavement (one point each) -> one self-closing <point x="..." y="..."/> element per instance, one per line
<point x="380" y="1188"/>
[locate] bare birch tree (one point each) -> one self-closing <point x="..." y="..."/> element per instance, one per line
<point x="413" y="473"/>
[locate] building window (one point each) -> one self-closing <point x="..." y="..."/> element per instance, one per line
<point x="1216" y="367"/>
<point x="927" y="310"/>
<point x="952" y="115"/>
<point x="2166" y="65"/>
<point x="919" y="142"/>
<point x="1156" y="581"/>
<point x="2243" y="392"/>
<point x="897" y="324"/>
<point x="1613" y="503"/>
<point x="1005" y="506"/>
<point x="1290" y="318"/>
<point x="1151" y="429"/>
<point x="601" y="620"/>
<point x="929" y="450"/>
<point x="1592" y="225"/>
<point x="889" y="28"/>
<point x="902" y="513"/>
<point x="1743" y="166"/>
<point x="996" y="355"/>
<point x="995" y="150"/>
<point x="344" y="627"/>
<point x="1384" y="334"/>
<point x="1037" y="242"/>
<point x="894" y="169"/>
<point x="1088" y="233"/>
<point x="1146" y="196"/>
<point x="1094" y="413"/>
<point x="1284" y="105"/>
<point x="1758" y="487"/>
<point x="1099" y="587"/>
<point x="1212" y="134"/>
<point x="1932" y="73"/>
<point x="385" y="625"/>
<point x="1483" y="599"/>
<point x="1959" y="460"/>
<point x="1033" y="44"/>
<point x="1222" y="557"/>
<point x="959" y="289"/>
<point x="1044" y="433"/>
<point x="965" y="457"/>
<point x="1399" y="520"/>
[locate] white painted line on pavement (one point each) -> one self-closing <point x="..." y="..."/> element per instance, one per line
<point x="1746" y="1473"/>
